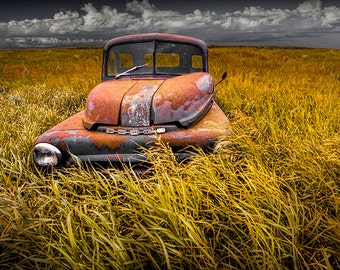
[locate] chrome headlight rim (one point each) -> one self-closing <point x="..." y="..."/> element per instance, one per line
<point x="46" y="155"/>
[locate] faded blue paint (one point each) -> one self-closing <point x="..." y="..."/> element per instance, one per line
<point x="136" y="109"/>
<point x="204" y="82"/>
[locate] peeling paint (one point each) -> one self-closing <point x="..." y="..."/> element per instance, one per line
<point x="91" y="106"/>
<point x="136" y="107"/>
<point x="204" y="83"/>
<point x="183" y="99"/>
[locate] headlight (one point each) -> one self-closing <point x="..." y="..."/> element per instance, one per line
<point x="46" y="154"/>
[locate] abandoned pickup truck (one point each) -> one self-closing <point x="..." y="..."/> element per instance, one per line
<point x="152" y="85"/>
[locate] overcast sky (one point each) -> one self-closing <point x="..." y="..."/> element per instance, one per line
<point x="310" y="23"/>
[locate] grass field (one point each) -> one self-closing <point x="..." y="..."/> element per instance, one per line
<point x="269" y="199"/>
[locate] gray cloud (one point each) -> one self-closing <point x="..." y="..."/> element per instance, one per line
<point x="253" y="25"/>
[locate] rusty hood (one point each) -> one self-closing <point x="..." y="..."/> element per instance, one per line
<point x="144" y="102"/>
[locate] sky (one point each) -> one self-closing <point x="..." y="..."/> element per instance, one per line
<point x="40" y="24"/>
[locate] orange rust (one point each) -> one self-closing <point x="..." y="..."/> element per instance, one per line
<point x="186" y="89"/>
<point x="103" y="103"/>
<point x="135" y="106"/>
<point x="72" y="123"/>
<point x="212" y="126"/>
<point x="72" y="127"/>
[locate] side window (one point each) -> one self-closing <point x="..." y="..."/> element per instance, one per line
<point x="197" y="61"/>
<point x="125" y="60"/>
<point x="111" y="66"/>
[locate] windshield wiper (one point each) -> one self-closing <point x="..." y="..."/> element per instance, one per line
<point x="129" y="70"/>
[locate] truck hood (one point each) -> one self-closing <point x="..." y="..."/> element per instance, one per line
<point x="144" y="102"/>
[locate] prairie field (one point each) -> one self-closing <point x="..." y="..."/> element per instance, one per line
<point x="269" y="198"/>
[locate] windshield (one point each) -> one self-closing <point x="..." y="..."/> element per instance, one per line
<point x="163" y="58"/>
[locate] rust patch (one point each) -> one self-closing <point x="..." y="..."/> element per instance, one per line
<point x="211" y="127"/>
<point x="94" y="145"/>
<point x="189" y="87"/>
<point x="103" y="102"/>
<point x="183" y="99"/>
<point x="72" y="134"/>
<point x="136" y="104"/>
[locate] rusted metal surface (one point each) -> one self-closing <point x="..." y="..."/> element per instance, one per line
<point x="136" y="104"/>
<point x="103" y="102"/>
<point x="183" y="99"/>
<point x="155" y="36"/>
<point x="71" y="136"/>
<point x="204" y="133"/>
<point x="127" y="113"/>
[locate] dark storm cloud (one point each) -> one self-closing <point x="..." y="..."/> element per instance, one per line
<point x="254" y="25"/>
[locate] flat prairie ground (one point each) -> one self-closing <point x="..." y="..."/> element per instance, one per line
<point x="268" y="199"/>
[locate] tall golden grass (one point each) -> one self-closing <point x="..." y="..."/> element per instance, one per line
<point x="268" y="199"/>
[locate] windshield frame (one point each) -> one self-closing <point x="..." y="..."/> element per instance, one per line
<point x="153" y="44"/>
